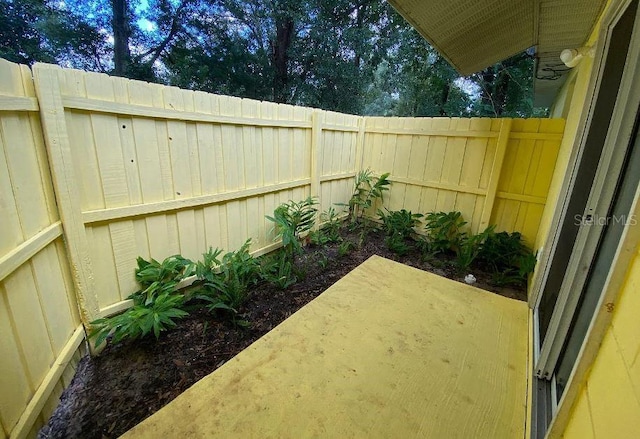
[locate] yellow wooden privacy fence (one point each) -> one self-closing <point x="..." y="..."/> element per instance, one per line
<point x="123" y="169"/>
<point x="494" y="171"/>
<point x="39" y="323"/>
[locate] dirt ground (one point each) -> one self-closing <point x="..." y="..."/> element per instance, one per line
<point x="127" y="383"/>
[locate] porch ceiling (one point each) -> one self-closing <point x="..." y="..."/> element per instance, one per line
<point x="387" y="351"/>
<point x="474" y="34"/>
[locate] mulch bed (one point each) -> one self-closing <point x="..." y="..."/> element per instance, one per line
<point x="128" y="382"/>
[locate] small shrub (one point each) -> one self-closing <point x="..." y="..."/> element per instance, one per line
<point x="345" y="248"/>
<point x="443" y="231"/>
<point x="278" y="270"/>
<point x="330" y="230"/>
<point x="400" y="222"/>
<point x="399" y="227"/>
<point x="174" y="267"/>
<point x="508" y="258"/>
<point x="226" y="280"/>
<point x="397" y="244"/>
<point x="470" y="246"/>
<point x="157" y="278"/>
<point x="156" y="305"/>
<point x="220" y="282"/>
<point x="367" y="189"/>
<point x="323" y="260"/>
<point x="291" y="219"/>
<point x="140" y="320"/>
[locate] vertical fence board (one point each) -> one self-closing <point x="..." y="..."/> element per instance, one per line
<point x="59" y="150"/>
<point x="494" y="178"/>
<point x="149" y="169"/>
<point x="16" y="389"/>
<point x="32" y="331"/>
<point x="47" y="273"/>
<point x="317" y="155"/>
<point x="22" y="164"/>
<point x="8" y="207"/>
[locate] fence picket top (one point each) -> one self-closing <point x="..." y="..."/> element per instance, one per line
<point x="555" y="126"/>
<point x="11" y="83"/>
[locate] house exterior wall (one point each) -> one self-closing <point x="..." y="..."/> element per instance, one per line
<point x="608" y="405"/>
<point x="608" y="402"/>
<point x="568" y="105"/>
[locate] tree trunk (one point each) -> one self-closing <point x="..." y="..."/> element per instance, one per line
<point x="488" y="77"/>
<point x="121" y="34"/>
<point x="444" y="97"/>
<point x="280" y="59"/>
<point x="500" y="94"/>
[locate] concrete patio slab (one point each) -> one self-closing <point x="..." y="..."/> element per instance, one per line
<point x="388" y="351"/>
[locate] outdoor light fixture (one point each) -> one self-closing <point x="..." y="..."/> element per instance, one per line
<point x="572" y="57"/>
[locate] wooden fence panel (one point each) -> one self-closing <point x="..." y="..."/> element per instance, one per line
<point x="337" y="168"/>
<point x="526" y="175"/>
<point x="188" y="170"/>
<point x="493" y="171"/>
<point x="38" y="310"/>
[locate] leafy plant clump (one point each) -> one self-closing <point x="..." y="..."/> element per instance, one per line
<point x="220" y="282"/>
<point x="469" y="247"/>
<point x="400" y="222"/>
<point x="444" y="232"/>
<point x="329" y="231"/>
<point x="157" y="278"/>
<point x="225" y="281"/>
<point x="508" y="258"/>
<point x="290" y="220"/>
<point x="156" y="305"/>
<point x="503" y="254"/>
<point x="345" y="248"/>
<point x="399" y="226"/>
<point x="277" y="269"/>
<point x="367" y="190"/>
<point x="140" y="320"/>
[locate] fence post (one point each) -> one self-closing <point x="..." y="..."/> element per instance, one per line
<point x="360" y="144"/>
<point x="496" y="169"/>
<point x="316" y="156"/>
<point x="65" y="186"/>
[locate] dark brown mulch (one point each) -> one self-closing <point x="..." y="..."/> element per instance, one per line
<point x="127" y="383"/>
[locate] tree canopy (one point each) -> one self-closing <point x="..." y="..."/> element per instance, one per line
<point x="353" y="56"/>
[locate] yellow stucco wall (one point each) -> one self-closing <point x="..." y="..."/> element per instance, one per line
<point x="609" y="403"/>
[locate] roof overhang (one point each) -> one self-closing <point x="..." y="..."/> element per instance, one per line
<point x="474" y="34"/>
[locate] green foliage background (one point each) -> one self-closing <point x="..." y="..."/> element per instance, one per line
<point x="352" y="56"/>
